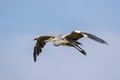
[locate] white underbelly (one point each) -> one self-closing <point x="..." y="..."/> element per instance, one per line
<point x="60" y="42"/>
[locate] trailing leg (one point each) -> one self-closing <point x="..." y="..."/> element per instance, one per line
<point x="80" y="49"/>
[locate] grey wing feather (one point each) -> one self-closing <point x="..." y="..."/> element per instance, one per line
<point x="39" y="45"/>
<point x="91" y="36"/>
<point x="38" y="49"/>
<point x="36" y="52"/>
<point x="74" y="36"/>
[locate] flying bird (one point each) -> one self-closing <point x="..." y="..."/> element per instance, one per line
<point x="70" y="40"/>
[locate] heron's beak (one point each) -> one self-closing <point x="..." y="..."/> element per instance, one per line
<point x="35" y="38"/>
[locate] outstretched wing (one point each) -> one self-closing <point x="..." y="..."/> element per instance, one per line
<point x="40" y="43"/>
<point x="75" y="35"/>
<point x="93" y="37"/>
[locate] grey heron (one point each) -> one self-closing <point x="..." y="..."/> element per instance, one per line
<point x="70" y="40"/>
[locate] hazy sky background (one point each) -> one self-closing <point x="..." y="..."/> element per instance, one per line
<point x="23" y="20"/>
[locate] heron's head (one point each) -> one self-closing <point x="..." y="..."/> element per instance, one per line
<point x="52" y="39"/>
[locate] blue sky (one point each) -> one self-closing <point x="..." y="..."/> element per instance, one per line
<point x="21" y="21"/>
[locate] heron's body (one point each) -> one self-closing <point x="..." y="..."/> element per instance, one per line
<point x="60" y="40"/>
<point x="70" y="40"/>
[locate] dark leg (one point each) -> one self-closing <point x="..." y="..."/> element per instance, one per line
<point x="79" y="43"/>
<point x="80" y="49"/>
